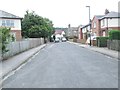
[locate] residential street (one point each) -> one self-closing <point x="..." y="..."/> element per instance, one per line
<point x="65" y="65"/>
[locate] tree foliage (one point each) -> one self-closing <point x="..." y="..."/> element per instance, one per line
<point x="5" y="38"/>
<point x="35" y="26"/>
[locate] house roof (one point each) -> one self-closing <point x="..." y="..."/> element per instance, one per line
<point x="99" y="16"/>
<point x="86" y="25"/>
<point x="4" y="14"/>
<point x="62" y="29"/>
<point x="58" y="31"/>
<point x="73" y="27"/>
<point x="112" y="15"/>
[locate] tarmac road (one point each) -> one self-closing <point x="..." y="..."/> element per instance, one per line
<point x="65" y="65"/>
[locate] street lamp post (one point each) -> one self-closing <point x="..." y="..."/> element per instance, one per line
<point x="89" y="23"/>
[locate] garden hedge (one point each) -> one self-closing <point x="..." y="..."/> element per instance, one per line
<point x="102" y="41"/>
<point x="114" y="35"/>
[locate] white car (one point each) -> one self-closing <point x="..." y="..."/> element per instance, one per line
<point x="57" y="40"/>
<point x="64" y="39"/>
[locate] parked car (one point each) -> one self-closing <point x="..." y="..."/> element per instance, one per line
<point x="64" y="39"/>
<point x="57" y="40"/>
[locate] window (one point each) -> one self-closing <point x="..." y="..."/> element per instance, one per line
<point x="103" y="22"/>
<point x="94" y="34"/>
<point x="94" y="25"/>
<point x="88" y="28"/>
<point x="104" y="33"/>
<point x="12" y="23"/>
<point x="3" y="22"/>
<point x="8" y="23"/>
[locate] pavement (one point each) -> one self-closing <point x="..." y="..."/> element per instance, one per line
<point x="102" y="50"/>
<point x="16" y="61"/>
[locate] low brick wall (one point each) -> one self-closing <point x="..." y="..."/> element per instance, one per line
<point x="83" y="41"/>
<point x="71" y="40"/>
<point x="94" y="42"/>
<point x="21" y="46"/>
<point x="78" y="40"/>
<point x="113" y="45"/>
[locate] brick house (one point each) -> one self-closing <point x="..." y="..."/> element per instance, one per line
<point x="79" y="32"/>
<point x="96" y="25"/>
<point x="13" y="22"/>
<point x="72" y="31"/>
<point x="61" y="29"/>
<point x="108" y="22"/>
<point x="84" y="31"/>
<point x="101" y="24"/>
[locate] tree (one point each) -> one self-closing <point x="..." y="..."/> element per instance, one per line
<point x="106" y="11"/>
<point x="35" y="26"/>
<point x="5" y="38"/>
<point x="49" y="27"/>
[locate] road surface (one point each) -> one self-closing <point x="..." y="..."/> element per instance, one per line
<point x="65" y="65"/>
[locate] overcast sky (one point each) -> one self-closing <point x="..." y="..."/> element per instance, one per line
<point x="61" y="12"/>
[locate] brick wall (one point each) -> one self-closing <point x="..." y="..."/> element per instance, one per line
<point x="109" y="28"/>
<point x="17" y="34"/>
<point x="115" y="28"/>
<point x="97" y="28"/>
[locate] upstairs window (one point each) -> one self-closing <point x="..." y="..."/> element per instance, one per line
<point x="94" y="25"/>
<point x="103" y="23"/>
<point x="12" y="23"/>
<point x="3" y="22"/>
<point x="8" y="23"/>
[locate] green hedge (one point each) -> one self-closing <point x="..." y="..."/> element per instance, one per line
<point x="102" y="41"/>
<point x="114" y="35"/>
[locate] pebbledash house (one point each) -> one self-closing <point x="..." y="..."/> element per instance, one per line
<point x="11" y="21"/>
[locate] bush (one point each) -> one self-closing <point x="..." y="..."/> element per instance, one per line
<point x="102" y="41"/>
<point x="114" y="35"/>
<point x="5" y="38"/>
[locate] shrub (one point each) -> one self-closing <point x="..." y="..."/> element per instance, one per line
<point x="102" y="41"/>
<point x="114" y="35"/>
<point x="5" y="38"/>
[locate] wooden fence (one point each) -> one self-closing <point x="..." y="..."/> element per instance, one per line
<point x="113" y="45"/>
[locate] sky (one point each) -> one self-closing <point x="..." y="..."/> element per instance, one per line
<point x="61" y="12"/>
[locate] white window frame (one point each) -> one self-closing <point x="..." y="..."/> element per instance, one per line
<point x="3" y="22"/>
<point x="103" y="23"/>
<point x="94" y="25"/>
<point x="8" y="23"/>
